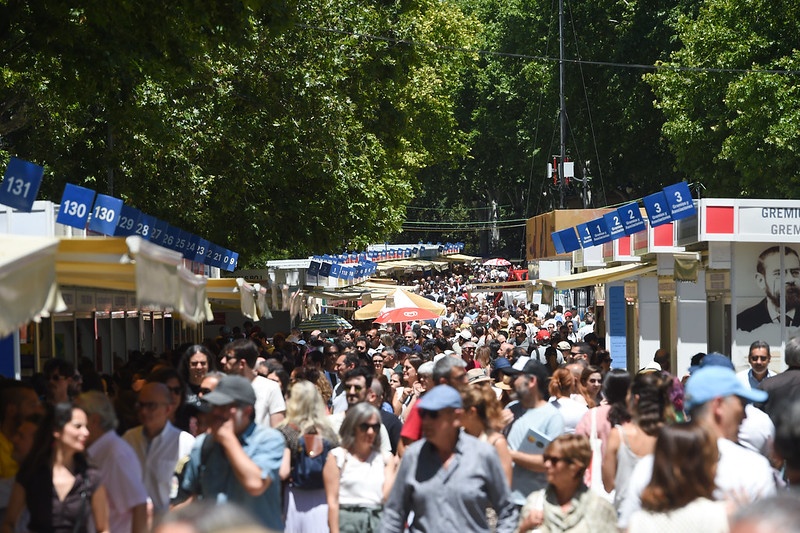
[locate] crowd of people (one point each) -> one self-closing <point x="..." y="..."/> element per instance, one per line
<point x="494" y="417"/>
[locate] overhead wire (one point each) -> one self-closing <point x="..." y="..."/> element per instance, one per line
<point x="636" y="66"/>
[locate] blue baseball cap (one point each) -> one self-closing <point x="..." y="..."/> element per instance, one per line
<point x="712" y="359"/>
<point x="716" y="381"/>
<point x="441" y="397"/>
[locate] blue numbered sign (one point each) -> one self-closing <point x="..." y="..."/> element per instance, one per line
<point x="128" y="218"/>
<point x="585" y="234"/>
<point x="168" y="236"/>
<point x="680" y="200"/>
<point x="657" y="209"/>
<point x="214" y="258"/>
<point x="157" y="231"/>
<point x="144" y="226"/>
<point x="105" y="214"/>
<point x="599" y="229"/>
<point x="181" y="240"/>
<point x="76" y="203"/>
<point x="614" y="223"/>
<point x="201" y="251"/>
<point x="567" y="239"/>
<point x="234" y="261"/>
<point x="631" y="218"/>
<point x="190" y="251"/>
<point x="21" y="184"/>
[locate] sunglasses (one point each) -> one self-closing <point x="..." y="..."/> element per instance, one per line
<point x="364" y="426"/>
<point x="358" y="388"/>
<point x="555" y="460"/>
<point x="759" y="357"/>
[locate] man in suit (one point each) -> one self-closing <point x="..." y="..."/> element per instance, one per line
<point x="768" y="278"/>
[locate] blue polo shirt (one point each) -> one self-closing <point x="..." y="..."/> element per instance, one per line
<point x="216" y="482"/>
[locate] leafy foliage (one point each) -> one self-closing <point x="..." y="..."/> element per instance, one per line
<point x="273" y="128"/>
<point x="733" y="126"/>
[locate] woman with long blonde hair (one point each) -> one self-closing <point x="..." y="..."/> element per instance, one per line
<point x="309" y="437"/>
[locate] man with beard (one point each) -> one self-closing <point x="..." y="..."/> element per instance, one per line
<point x="768" y="278"/>
<point x="236" y="461"/>
<point x="541" y="416"/>
<point x="759" y="358"/>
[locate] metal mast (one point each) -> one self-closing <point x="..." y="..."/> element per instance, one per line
<point x="562" y="180"/>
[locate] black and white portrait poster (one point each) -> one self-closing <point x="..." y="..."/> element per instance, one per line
<point x="766" y="298"/>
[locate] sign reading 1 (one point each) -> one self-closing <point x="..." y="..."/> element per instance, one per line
<point x="21" y="184"/>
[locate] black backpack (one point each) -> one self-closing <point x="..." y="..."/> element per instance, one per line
<point x="308" y="461"/>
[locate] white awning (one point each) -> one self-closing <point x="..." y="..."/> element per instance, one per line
<point x="28" y="289"/>
<point x="602" y="275"/>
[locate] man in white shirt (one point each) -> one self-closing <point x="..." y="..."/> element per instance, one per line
<point x="759" y="358"/>
<point x="357" y="383"/>
<point x="158" y="444"/>
<point x="120" y="471"/>
<point x="716" y="399"/>
<point x="239" y="358"/>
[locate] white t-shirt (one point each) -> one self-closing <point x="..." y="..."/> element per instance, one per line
<point x="701" y="514"/>
<point x="571" y="411"/>
<point x="739" y="470"/>
<point x="360" y="483"/>
<point x="269" y="400"/>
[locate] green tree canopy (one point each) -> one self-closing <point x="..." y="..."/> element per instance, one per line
<point x="273" y="128"/>
<point x="731" y="121"/>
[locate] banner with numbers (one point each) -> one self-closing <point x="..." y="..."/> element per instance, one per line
<point x="671" y="203"/>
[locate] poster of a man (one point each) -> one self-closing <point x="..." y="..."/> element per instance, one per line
<point x="770" y="267"/>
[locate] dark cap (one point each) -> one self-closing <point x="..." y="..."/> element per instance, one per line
<point x="531" y="368"/>
<point x="231" y="389"/>
<point x="404" y="350"/>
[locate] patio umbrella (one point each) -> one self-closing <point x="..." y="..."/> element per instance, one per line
<point x="405" y="314"/>
<point x="397" y="300"/>
<point x="324" y="321"/>
<point x="498" y="262"/>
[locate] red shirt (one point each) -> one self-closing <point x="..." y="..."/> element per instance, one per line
<point x="412" y="427"/>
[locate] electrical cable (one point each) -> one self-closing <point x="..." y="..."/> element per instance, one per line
<point x="660" y="66"/>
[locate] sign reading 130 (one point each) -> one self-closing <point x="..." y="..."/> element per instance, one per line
<point x="105" y="215"/>
<point x="75" y="205"/>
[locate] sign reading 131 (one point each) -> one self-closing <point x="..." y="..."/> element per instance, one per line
<point x="21" y="184"/>
<point x="76" y="203"/>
